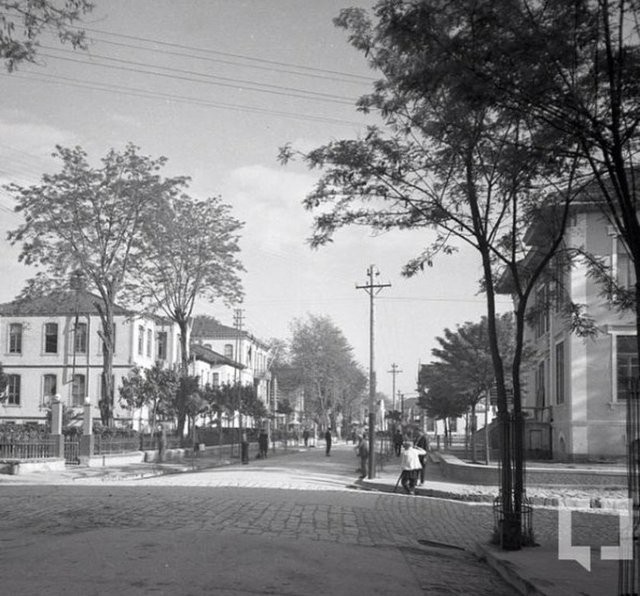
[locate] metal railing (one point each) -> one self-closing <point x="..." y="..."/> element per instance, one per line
<point x="28" y="449"/>
<point x="108" y="445"/>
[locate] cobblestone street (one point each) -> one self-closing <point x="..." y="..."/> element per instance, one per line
<point x="231" y="530"/>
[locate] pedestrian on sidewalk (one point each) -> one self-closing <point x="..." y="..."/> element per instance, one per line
<point x="423" y="443"/>
<point x="362" y="450"/>
<point x="397" y="442"/>
<point x="305" y="437"/>
<point x="327" y="439"/>
<point x="410" y="465"/>
<point x="263" y="444"/>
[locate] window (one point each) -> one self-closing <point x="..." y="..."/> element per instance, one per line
<point x="15" y="338"/>
<point x="13" y="390"/>
<point x="161" y="342"/>
<point x="215" y="380"/>
<point x="228" y="351"/>
<point x="625" y="273"/>
<point x="140" y="340"/>
<point x="78" y="390"/>
<point x="49" y="386"/>
<point x="626" y="363"/>
<point x="560" y="373"/>
<point x="540" y="386"/>
<point x="80" y="341"/>
<point x="541" y="311"/>
<point x="149" y="342"/>
<point x="51" y="338"/>
<point x="431" y="425"/>
<point x="453" y="425"/>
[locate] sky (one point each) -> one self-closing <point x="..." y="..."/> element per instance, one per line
<point x="217" y="87"/>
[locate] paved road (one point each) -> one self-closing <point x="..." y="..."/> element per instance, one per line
<point x="287" y="525"/>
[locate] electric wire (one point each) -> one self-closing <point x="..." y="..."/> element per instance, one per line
<point x="229" y="54"/>
<point x="173" y="73"/>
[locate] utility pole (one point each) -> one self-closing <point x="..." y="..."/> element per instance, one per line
<point x="237" y="319"/>
<point x="394" y="371"/>
<point x="372" y="289"/>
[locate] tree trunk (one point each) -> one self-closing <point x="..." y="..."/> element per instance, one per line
<point x="474" y="457"/>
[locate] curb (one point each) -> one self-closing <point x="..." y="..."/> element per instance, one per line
<point x="523" y="586"/>
<point x="599" y="503"/>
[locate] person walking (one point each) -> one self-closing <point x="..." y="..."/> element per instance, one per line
<point x="423" y="443"/>
<point x="263" y="444"/>
<point x="410" y="465"/>
<point x="327" y="439"/>
<point x="362" y="450"/>
<point x="305" y="437"/>
<point x="397" y="442"/>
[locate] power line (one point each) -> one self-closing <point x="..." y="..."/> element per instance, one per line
<point x="355" y="79"/>
<point x="229" y="54"/>
<point x="159" y="95"/>
<point x="266" y="87"/>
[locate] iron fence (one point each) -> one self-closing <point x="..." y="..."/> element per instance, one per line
<point x="28" y="449"/>
<point x="108" y="445"/>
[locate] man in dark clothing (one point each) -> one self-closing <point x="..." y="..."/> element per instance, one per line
<point x="397" y="442"/>
<point x="327" y="438"/>
<point x="305" y="437"/>
<point x="362" y="450"/>
<point x="423" y="443"/>
<point x="263" y="444"/>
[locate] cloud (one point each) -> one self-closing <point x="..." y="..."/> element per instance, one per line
<point x="270" y="202"/>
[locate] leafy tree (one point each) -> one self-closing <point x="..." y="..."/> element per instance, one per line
<point x="575" y="67"/>
<point x="89" y="220"/>
<point x="186" y="400"/>
<point x="440" y="398"/>
<point x="22" y="22"/>
<point x="324" y="362"/>
<point x="190" y="248"/>
<point x="153" y="387"/>
<point x="464" y="361"/>
<point x="455" y="163"/>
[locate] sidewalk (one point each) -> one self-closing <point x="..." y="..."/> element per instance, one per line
<point x="532" y="571"/>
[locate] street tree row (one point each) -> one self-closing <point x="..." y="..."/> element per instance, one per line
<point x="318" y="360"/>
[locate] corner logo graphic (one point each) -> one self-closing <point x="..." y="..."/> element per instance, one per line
<point x="582" y="554"/>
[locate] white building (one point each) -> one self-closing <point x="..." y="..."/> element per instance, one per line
<point x="51" y="345"/>
<point x="249" y="355"/>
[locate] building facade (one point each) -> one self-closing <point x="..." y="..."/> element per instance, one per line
<point x="51" y="345"/>
<point x="577" y="387"/>
<point x="249" y="355"/>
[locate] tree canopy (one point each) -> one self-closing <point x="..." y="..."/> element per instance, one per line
<point x="88" y="220"/>
<point x="323" y="360"/>
<point x="190" y="253"/>
<point x="23" y="21"/>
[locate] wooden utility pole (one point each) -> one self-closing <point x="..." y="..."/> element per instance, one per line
<point x="372" y="289"/>
<point x="394" y="371"/>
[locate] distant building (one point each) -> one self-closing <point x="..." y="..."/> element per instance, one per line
<point x="250" y="355"/>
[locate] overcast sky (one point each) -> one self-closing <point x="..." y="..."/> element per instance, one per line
<point x="217" y="86"/>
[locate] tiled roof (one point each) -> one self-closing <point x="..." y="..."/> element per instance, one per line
<point x="212" y="357"/>
<point x="205" y="327"/>
<point x="59" y="303"/>
<point x="209" y="327"/>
